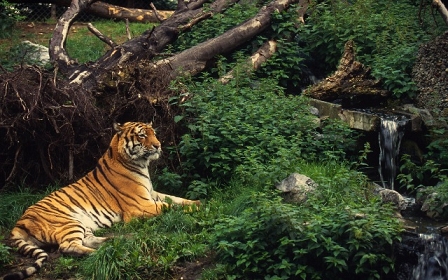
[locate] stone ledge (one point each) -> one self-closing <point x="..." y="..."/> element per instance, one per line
<point x="361" y="120"/>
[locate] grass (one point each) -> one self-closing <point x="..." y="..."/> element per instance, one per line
<point x="155" y="248"/>
<point x="15" y="203"/>
<point x="84" y="46"/>
<point x="81" y="44"/>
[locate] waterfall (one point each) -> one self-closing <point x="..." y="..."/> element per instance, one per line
<point x="433" y="261"/>
<point x="389" y="138"/>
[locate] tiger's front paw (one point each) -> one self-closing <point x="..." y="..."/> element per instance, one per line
<point x="192" y="205"/>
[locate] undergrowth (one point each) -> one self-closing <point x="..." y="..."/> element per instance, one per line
<point x="239" y="140"/>
<point x="386" y="34"/>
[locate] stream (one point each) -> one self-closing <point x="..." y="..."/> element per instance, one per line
<point x="423" y="252"/>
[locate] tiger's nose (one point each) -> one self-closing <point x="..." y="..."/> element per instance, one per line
<point x="156" y="146"/>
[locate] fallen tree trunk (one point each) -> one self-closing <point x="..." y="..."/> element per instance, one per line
<point x="152" y="42"/>
<point x="106" y="10"/>
<point x="351" y="80"/>
<point x="137" y="15"/>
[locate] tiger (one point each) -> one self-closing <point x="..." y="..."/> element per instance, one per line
<point x="118" y="189"/>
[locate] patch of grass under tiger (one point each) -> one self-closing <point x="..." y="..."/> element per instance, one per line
<point x="144" y="248"/>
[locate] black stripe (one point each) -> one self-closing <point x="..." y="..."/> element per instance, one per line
<point x="95" y="175"/>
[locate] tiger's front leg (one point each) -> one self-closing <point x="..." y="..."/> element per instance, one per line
<point x="174" y="199"/>
<point x="147" y="209"/>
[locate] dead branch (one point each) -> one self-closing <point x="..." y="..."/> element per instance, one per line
<point x="196" y="20"/>
<point x="136" y="15"/>
<point x="154" y="9"/>
<point x="351" y="80"/>
<point x="101" y="36"/>
<point x="128" y="31"/>
<point x="254" y="62"/>
<point x="442" y="9"/>
<point x="302" y="10"/>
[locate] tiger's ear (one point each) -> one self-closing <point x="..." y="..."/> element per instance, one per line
<point x="117" y="128"/>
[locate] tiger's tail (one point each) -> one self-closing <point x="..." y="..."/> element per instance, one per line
<point x="28" y="249"/>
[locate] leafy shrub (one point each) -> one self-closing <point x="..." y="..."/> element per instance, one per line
<point x="287" y="65"/>
<point x="5" y="256"/>
<point x="346" y="237"/>
<point x="387" y="35"/>
<point x="438" y="148"/>
<point x="250" y="124"/>
<point x="9" y="16"/>
<point x="414" y="176"/>
<point x="436" y="199"/>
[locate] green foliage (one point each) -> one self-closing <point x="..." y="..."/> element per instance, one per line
<point x="287" y="64"/>
<point x="218" y="24"/>
<point x="9" y="16"/>
<point x="148" y="248"/>
<point x="438" y="148"/>
<point x="252" y="126"/>
<point x="346" y="237"/>
<point x="414" y="176"/>
<point x="386" y="33"/>
<point x="5" y="256"/>
<point x="436" y="199"/>
<point x="15" y="203"/>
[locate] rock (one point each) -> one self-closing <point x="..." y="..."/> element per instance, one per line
<point x="432" y="207"/>
<point x="391" y="196"/>
<point x="296" y="187"/>
<point x="418" y="115"/>
<point x="444" y="230"/>
<point x="35" y="54"/>
<point x="432" y="204"/>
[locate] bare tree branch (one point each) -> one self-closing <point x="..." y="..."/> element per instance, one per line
<point x="128" y="31"/>
<point x="194" y="60"/>
<point x="265" y="52"/>
<point x="101" y="36"/>
<point x="159" y="19"/>
<point x="152" y="42"/>
<point x="442" y="9"/>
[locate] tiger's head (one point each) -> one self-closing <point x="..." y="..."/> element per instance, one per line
<point x="137" y="141"/>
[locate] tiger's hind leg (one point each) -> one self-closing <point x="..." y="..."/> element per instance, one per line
<point x="93" y="241"/>
<point x="75" y="247"/>
<point x="72" y="243"/>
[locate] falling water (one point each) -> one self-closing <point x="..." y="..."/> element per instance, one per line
<point x="389" y="139"/>
<point x="433" y="261"/>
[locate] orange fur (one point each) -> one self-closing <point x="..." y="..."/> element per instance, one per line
<point x="117" y="189"/>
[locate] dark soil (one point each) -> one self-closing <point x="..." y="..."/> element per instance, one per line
<point x="430" y="73"/>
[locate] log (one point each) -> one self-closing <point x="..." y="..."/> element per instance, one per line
<point x="351" y="79"/>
